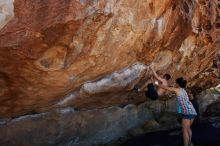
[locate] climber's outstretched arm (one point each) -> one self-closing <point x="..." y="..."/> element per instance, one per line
<point x="171" y="89"/>
<point x="156" y="75"/>
<point x="142" y="88"/>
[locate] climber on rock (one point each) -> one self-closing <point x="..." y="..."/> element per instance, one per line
<point x="163" y="80"/>
<point x="152" y="91"/>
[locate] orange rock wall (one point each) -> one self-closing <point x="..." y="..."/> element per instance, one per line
<point x="49" y="49"/>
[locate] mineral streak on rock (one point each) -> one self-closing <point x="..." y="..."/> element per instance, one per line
<point x="6" y="12"/>
<point x="51" y="49"/>
<point x="115" y="82"/>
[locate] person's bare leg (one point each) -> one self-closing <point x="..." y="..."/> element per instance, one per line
<point x="185" y="130"/>
<point x="190" y="134"/>
<point x="185" y="137"/>
<point x="191" y="122"/>
<point x="190" y="131"/>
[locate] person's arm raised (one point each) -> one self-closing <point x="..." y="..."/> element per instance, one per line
<point x="156" y="75"/>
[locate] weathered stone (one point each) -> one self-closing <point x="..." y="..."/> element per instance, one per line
<point x="68" y="66"/>
<point x="6" y="12"/>
<point x="207" y="98"/>
<point x="115" y="82"/>
<point x="69" y="127"/>
<point x="52" y="49"/>
<point x="150" y="125"/>
<point x="213" y="110"/>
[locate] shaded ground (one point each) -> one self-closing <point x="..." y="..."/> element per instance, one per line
<point x="206" y="133"/>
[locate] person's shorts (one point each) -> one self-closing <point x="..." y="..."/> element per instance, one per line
<point x="190" y="117"/>
<point x="151" y="92"/>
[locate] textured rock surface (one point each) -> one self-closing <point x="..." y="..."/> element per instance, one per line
<point x="209" y="101"/>
<point x="6" y="11"/>
<point x="65" y="127"/>
<point x="50" y="49"/>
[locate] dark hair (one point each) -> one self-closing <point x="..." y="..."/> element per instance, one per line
<point x="181" y="82"/>
<point x="167" y="76"/>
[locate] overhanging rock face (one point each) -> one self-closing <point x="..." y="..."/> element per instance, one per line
<point x="54" y="49"/>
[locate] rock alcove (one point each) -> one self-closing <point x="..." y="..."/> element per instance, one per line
<point x="80" y="59"/>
